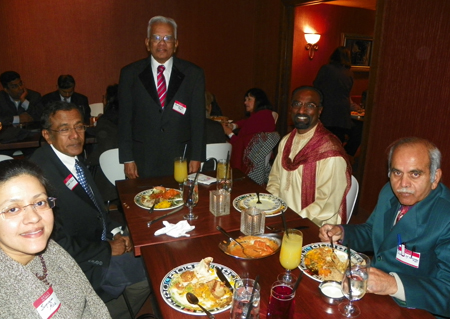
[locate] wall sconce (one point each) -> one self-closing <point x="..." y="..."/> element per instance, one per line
<point x="311" y="40"/>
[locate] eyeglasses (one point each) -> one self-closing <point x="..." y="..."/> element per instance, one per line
<point x="157" y="38"/>
<point x="309" y="105"/>
<point x="66" y="130"/>
<point x="13" y="86"/>
<point x="40" y="206"/>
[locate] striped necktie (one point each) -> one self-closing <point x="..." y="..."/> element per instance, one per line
<point x="161" y="85"/>
<point x="88" y="190"/>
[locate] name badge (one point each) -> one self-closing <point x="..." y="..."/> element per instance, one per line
<point x="408" y="257"/>
<point x="179" y="107"/>
<point x="47" y="304"/>
<point x="71" y="182"/>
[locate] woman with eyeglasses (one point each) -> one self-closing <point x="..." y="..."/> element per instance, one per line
<point x="38" y="279"/>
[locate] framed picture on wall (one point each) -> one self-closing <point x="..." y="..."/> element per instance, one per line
<point x="360" y="47"/>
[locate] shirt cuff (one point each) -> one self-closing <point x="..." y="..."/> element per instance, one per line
<point x="400" y="294"/>
<point x="117" y="230"/>
<point x="16" y="119"/>
<point x="25" y="104"/>
<point x="230" y="135"/>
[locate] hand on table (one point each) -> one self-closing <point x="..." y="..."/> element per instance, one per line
<point x="130" y="170"/>
<point x="25" y="118"/>
<point x="327" y="230"/>
<point x="381" y="283"/>
<point x="194" y="166"/>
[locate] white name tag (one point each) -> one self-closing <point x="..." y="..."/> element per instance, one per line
<point x="179" y="107"/>
<point x="48" y="304"/>
<point x="408" y="257"/>
<point x="71" y="182"/>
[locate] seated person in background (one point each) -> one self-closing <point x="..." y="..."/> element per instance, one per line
<point x="408" y="232"/>
<point x="215" y="108"/>
<point x="83" y="227"/>
<point x="106" y="132"/>
<point x="260" y="119"/>
<point x="311" y="172"/>
<point x="214" y="131"/>
<point x="31" y="265"/>
<point x="17" y="103"/>
<point x="66" y="92"/>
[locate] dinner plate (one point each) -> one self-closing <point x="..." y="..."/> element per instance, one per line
<point x="138" y="200"/>
<point x="272" y="205"/>
<point x="340" y="251"/>
<point x="223" y="245"/>
<point x="186" y="307"/>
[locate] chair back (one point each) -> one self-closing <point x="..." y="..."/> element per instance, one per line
<point x="110" y="165"/>
<point x="96" y="108"/>
<point x="5" y="157"/>
<point x="352" y="195"/>
<point x="217" y="151"/>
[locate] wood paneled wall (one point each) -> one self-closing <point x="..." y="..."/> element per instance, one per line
<point x="235" y="42"/>
<point x="408" y="91"/>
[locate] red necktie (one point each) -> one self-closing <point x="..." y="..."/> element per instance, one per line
<point x="403" y="211"/>
<point x="161" y="85"/>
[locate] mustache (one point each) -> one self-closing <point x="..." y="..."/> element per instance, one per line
<point x="405" y="190"/>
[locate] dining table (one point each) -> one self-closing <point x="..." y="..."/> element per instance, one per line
<point x="164" y="254"/>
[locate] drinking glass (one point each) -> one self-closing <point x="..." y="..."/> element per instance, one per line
<point x="224" y="177"/>
<point x="243" y="289"/>
<point x="290" y="253"/>
<point x="190" y="197"/>
<point x="354" y="285"/>
<point x="281" y="302"/>
<point x="180" y="171"/>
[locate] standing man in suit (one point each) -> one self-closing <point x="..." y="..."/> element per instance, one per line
<point x="66" y="92"/>
<point x="17" y="103"/>
<point x="82" y="225"/>
<point x="162" y="107"/>
<point x="408" y="232"/>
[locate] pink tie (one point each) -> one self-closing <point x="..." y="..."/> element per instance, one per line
<point x="403" y="211"/>
<point x="161" y="85"/>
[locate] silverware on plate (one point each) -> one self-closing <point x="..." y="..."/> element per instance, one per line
<point x="223" y="278"/>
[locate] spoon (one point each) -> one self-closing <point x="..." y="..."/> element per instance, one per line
<point x="194" y="301"/>
<point x="223" y="231"/>
<point x="258" y="201"/>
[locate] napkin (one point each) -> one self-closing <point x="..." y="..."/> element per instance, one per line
<point x="175" y="230"/>
<point x="203" y="179"/>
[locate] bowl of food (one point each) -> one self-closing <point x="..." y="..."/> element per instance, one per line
<point x="256" y="247"/>
<point x="330" y="292"/>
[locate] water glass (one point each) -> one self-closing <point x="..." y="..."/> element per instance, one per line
<point x="281" y="302"/>
<point x="253" y="221"/>
<point x="219" y="202"/>
<point x="243" y="289"/>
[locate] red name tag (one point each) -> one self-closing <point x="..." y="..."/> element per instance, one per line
<point x="71" y="182"/>
<point x="48" y="304"/>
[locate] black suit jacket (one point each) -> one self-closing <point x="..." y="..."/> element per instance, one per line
<point x="153" y="137"/>
<point x="78" y="99"/>
<point x="214" y="132"/>
<point x="78" y="225"/>
<point x="8" y="109"/>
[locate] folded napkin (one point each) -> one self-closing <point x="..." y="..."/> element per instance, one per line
<point x="203" y="179"/>
<point x="175" y="230"/>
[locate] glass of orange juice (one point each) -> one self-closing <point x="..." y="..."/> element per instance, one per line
<point x="180" y="171"/>
<point x="290" y="253"/>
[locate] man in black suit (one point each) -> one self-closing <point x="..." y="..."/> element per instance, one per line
<point x="82" y="225"/>
<point x="156" y="127"/>
<point x="17" y="103"/>
<point x="66" y="92"/>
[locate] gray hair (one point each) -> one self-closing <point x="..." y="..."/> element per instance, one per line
<point x="433" y="153"/>
<point x="161" y="19"/>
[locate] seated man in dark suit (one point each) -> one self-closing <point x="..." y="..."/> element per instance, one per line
<point x="82" y="225"/>
<point x="66" y="92"/>
<point x="17" y="103"/>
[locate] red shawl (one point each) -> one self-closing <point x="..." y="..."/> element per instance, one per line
<point x="322" y="145"/>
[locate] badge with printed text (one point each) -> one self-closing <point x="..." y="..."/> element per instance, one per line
<point x="179" y="107"/>
<point x="71" y="182"/>
<point x="47" y="304"/>
<point x="408" y="257"/>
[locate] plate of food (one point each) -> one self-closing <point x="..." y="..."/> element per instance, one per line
<point x="256" y="247"/>
<point x="201" y="279"/>
<point x="222" y="119"/>
<point x="270" y="204"/>
<point x="319" y="262"/>
<point x="165" y="198"/>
